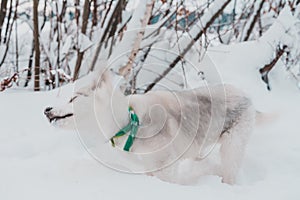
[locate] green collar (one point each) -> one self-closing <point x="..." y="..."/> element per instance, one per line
<point x="132" y="127"/>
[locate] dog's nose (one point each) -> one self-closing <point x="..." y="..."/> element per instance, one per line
<point x="47" y="110"/>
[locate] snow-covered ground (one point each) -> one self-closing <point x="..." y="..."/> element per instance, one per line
<point x="39" y="161"/>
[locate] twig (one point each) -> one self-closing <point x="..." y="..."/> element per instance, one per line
<point x="268" y="67"/>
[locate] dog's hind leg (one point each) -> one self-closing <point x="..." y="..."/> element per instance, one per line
<point x="233" y="144"/>
<point x="187" y="171"/>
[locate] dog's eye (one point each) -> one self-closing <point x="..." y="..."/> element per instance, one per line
<point x="82" y="94"/>
<point x="72" y="99"/>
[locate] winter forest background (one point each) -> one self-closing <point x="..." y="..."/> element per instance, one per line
<point x="48" y="48"/>
<point x="47" y="44"/>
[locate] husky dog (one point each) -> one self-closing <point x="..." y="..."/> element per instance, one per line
<point x="178" y="133"/>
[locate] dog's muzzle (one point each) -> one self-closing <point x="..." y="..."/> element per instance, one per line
<point x="53" y="117"/>
<point x="47" y="112"/>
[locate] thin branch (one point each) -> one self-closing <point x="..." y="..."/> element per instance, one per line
<point x="264" y="71"/>
<point x="189" y="46"/>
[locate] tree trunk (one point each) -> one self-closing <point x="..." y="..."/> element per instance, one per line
<point x="106" y="13"/>
<point x="95" y="14"/>
<point x="77" y="11"/>
<point x="110" y="29"/>
<point x="44" y="15"/>
<point x="219" y="9"/>
<point x="85" y="17"/>
<point x="8" y="34"/>
<point x="16" y="36"/>
<point x="29" y="70"/>
<point x="36" y="46"/>
<point x="124" y="71"/>
<point x="95" y="18"/>
<point x="7" y="22"/>
<point x="2" y="14"/>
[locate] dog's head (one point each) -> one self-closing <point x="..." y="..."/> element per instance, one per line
<point x="81" y="106"/>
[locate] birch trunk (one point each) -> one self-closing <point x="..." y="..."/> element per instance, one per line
<point x="125" y="71"/>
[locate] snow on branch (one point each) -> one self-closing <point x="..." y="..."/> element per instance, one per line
<point x="283" y="35"/>
<point x="268" y="67"/>
<point x="8" y="82"/>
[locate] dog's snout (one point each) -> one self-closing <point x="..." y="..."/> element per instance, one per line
<point x="47" y="110"/>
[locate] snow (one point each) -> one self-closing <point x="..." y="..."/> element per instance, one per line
<point x="283" y="24"/>
<point x="39" y="161"/>
<point x="84" y="42"/>
<point x="67" y="45"/>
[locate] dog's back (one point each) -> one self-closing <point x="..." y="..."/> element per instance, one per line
<point x="196" y="120"/>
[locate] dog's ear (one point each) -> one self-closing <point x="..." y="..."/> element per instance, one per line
<point x="104" y="77"/>
<point x="107" y="76"/>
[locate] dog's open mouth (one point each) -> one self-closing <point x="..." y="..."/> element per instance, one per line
<point x="56" y="118"/>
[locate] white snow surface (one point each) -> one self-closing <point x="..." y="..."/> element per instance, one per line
<point x="39" y="161"/>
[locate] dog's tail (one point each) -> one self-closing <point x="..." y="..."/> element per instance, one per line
<point x="265" y="118"/>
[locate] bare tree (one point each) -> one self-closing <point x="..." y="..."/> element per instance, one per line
<point x="36" y="46"/>
<point x="85" y="16"/>
<point x="110" y="29"/>
<point x="8" y="23"/>
<point x="44" y="14"/>
<point x="2" y="14"/>
<point x="58" y="30"/>
<point x="207" y="21"/>
<point x="8" y="32"/>
<point x="95" y="17"/>
<point x="29" y="72"/>
<point x="16" y="36"/>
